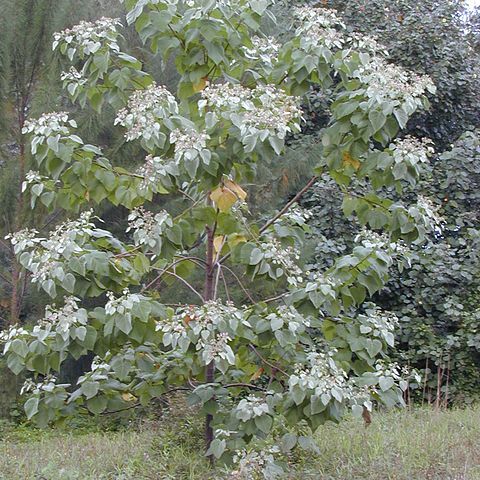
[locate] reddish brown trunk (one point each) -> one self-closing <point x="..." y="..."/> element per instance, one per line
<point x="208" y="295"/>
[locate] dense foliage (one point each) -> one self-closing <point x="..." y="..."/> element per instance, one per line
<point x="306" y="354"/>
<point x="436" y="300"/>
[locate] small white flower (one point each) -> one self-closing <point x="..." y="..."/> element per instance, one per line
<point x="144" y="111"/>
<point x="90" y="36"/>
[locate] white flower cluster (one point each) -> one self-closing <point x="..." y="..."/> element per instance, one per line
<point x="190" y="144"/>
<point x="200" y="9"/>
<point x="251" y="407"/>
<point x="121" y="305"/>
<point x="284" y="258"/>
<point x="379" y="324"/>
<point x="322" y="16"/>
<point x="154" y="169"/>
<point x="64" y="318"/>
<point x="48" y="384"/>
<point x="255" y="464"/>
<point x="73" y="79"/>
<point x="386" y="81"/>
<point x="45" y="260"/>
<point x="430" y="210"/>
<point x="89" y="37"/>
<point x="23" y="239"/>
<point x="49" y="124"/>
<point x="100" y="365"/>
<point x="259" y="112"/>
<point x="265" y="49"/>
<point x="147" y="227"/>
<point x="7" y="336"/>
<point x="73" y="75"/>
<point x="204" y="326"/>
<point x="318" y="26"/>
<point x="328" y="381"/>
<point x="321" y="375"/>
<point x="175" y="330"/>
<point x="323" y="283"/>
<point x="33" y="178"/>
<point x="216" y="348"/>
<point x="411" y="150"/>
<point x="289" y="316"/>
<point x="295" y="215"/>
<point x="366" y="43"/>
<point x="371" y="239"/>
<point x="391" y="373"/>
<point x="144" y="110"/>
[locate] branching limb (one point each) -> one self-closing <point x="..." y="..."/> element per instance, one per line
<point x="172" y="265"/>
<point x="275" y="368"/>
<point x="244" y="385"/>
<point x="240" y="283"/>
<point x="294" y="200"/>
<point x="282" y="212"/>
<point x="178" y="277"/>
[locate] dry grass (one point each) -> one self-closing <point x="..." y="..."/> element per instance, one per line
<point x="418" y="445"/>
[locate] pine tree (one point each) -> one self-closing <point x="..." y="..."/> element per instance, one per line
<point x="29" y="83"/>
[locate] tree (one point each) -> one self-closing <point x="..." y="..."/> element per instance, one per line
<point x="29" y="84"/>
<point x="428" y="36"/>
<point x="305" y="355"/>
<point x="435" y="299"/>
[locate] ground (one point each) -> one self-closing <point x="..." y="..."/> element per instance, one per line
<point x="421" y="444"/>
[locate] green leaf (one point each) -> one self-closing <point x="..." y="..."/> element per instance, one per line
<point x="97" y="404"/>
<point x="69" y="283"/>
<point x="377" y="120"/>
<point x="386" y="383"/>
<point x="264" y="423"/>
<point x="217" y="447"/>
<point x="288" y="441"/>
<point x="124" y="323"/>
<point x="344" y="109"/>
<point x="256" y="256"/>
<point x="90" y="389"/>
<point x="31" y="407"/>
<point x="401" y="116"/>
<point x="277" y="322"/>
<point x="357" y="411"/>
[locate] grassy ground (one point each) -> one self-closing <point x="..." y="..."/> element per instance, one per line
<point x="418" y="445"/>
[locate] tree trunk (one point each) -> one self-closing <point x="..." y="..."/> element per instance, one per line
<point x="208" y="295"/>
<point x="15" y="298"/>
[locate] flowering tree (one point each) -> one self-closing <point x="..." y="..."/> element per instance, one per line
<point x="253" y="369"/>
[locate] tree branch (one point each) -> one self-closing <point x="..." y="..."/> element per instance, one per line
<point x="240" y="283"/>
<point x="165" y="270"/>
<point x="244" y="385"/>
<point x="295" y="199"/>
<point x="178" y="277"/>
<point x="266" y="362"/>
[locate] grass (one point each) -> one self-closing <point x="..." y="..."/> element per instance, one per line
<point x="418" y="445"/>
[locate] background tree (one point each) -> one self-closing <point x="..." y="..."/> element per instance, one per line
<point x="435" y="299"/>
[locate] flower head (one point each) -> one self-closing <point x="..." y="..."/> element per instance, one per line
<point x="90" y="36"/>
<point x="144" y="110"/>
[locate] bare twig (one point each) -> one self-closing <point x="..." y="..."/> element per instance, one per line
<point x="266" y="362"/>
<point x="244" y="385"/>
<point x="240" y="283"/>
<point x="178" y="277"/>
<point x="225" y="284"/>
<point x="166" y="269"/>
<point x="294" y="200"/>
